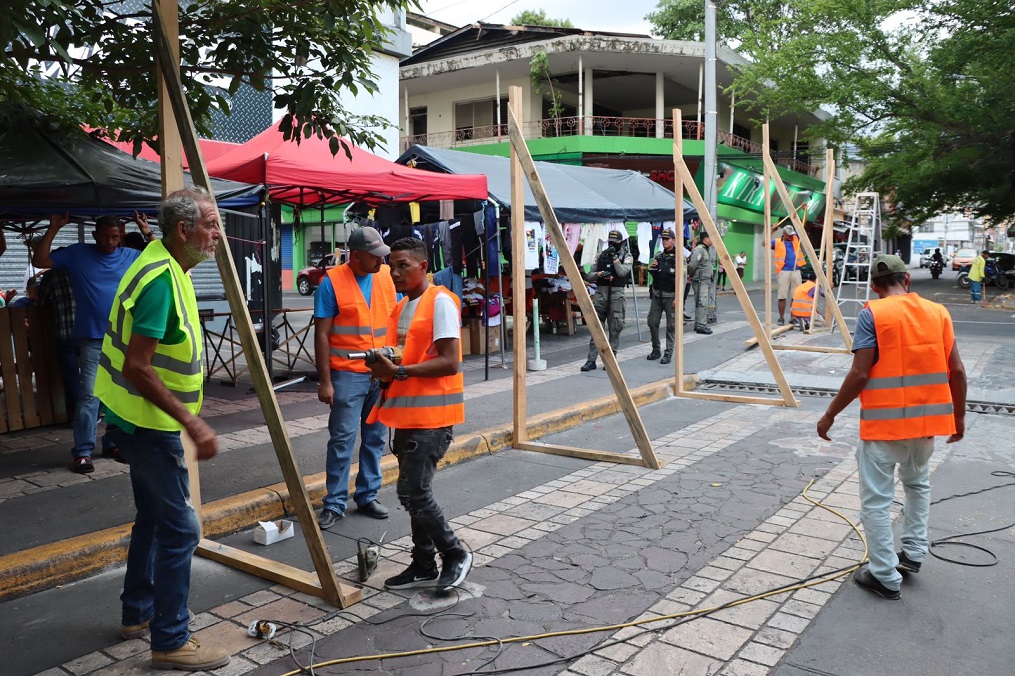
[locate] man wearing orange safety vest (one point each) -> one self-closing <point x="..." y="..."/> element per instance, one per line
<point x="912" y="387"/>
<point x="803" y="303"/>
<point x="423" y="400"/>
<point x="351" y="310"/>
<point x="789" y="258"/>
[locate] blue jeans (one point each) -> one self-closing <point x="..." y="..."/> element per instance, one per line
<point x="165" y="534"/>
<point x="418" y="452"/>
<point x="876" y="461"/>
<point x="67" y="355"/>
<point x="86" y="413"/>
<point x="355" y="397"/>
<point x="976" y="288"/>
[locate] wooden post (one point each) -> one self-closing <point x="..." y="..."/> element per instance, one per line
<point x="780" y="187"/>
<point x="760" y="332"/>
<point x="329" y="587"/>
<point x="520" y="153"/>
<point x="678" y="214"/>
<point x="521" y="433"/>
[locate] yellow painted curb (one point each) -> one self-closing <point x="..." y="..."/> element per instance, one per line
<point x="79" y="557"/>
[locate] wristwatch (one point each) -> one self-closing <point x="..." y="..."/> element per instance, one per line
<point x="401" y="374"/>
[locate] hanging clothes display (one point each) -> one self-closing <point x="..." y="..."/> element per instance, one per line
<point x="533" y="236"/>
<point x="644" y="242"/>
<point x="572" y="235"/>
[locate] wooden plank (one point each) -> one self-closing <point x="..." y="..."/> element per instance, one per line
<point x="737" y="398"/>
<point x="268" y="569"/>
<point x="23" y="362"/>
<point x="738" y="285"/>
<point x="681" y="281"/>
<point x="332" y="591"/>
<point x="42" y="356"/>
<point x="811" y="348"/>
<point x="520" y="403"/>
<point x="825" y="285"/>
<point x="9" y="371"/>
<point x="751" y="342"/>
<point x="627" y="404"/>
<point x="583" y="453"/>
<point x="170" y="141"/>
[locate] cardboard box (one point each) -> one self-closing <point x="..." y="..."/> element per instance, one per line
<point x="466" y="341"/>
<point x="476" y="343"/>
<point x="270" y="532"/>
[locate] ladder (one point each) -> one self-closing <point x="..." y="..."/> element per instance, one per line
<point x="862" y="241"/>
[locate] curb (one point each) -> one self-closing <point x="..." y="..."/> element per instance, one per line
<point x="76" y="558"/>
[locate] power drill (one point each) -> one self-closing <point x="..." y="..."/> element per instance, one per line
<point x="389" y="352"/>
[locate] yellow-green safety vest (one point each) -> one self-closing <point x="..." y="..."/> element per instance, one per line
<point x="179" y="367"/>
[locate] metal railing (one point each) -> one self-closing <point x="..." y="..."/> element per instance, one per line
<point x="595" y="125"/>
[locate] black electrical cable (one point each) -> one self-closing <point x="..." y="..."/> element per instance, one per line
<point x="951" y="539"/>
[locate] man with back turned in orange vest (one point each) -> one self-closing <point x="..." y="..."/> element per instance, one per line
<point x="912" y="387"/>
<point x="351" y="310"/>
<point x="424" y="398"/>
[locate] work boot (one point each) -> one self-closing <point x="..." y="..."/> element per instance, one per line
<point x="191" y="656"/>
<point x="590" y="365"/>
<point x="667" y="358"/>
<point x="654" y="354"/>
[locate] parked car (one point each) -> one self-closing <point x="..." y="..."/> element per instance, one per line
<point x="309" y="278"/>
<point x="963" y="257"/>
<point x="837" y="257"/>
<point x="1005" y="263"/>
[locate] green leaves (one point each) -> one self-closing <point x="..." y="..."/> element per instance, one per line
<point x="99" y="63"/>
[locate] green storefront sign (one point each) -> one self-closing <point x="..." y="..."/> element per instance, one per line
<point x="739" y="187"/>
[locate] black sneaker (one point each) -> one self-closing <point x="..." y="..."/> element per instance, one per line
<point x="416" y="575"/>
<point x="456" y="567"/>
<point x="908" y="565"/>
<point x="328" y="518"/>
<point x="653" y="355"/>
<point x="82" y="465"/>
<point x="866" y="580"/>
<point x="704" y="330"/>
<point x="588" y="366"/>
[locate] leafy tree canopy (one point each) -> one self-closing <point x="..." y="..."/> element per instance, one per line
<point x="735" y="19"/>
<point x="922" y="89"/>
<point x="93" y="62"/>
<point x="537" y="17"/>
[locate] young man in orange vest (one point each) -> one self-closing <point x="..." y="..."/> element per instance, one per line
<point x="789" y="258"/>
<point x="351" y="310"/>
<point x="912" y="387"/>
<point x="423" y="400"/>
<point x="803" y="303"/>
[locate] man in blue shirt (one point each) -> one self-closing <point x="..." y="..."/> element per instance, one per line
<point x="94" y="271"/>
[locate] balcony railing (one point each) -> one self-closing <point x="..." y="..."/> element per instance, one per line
<point x="631" y="127"/>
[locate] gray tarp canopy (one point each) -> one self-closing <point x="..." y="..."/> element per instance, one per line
<point x="578" y="194"/>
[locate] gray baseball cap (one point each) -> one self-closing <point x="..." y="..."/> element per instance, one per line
<point x="369" y="241"/>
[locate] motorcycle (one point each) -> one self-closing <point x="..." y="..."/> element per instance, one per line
<point x="935" y="268"/>
<point x="991" y="273"/>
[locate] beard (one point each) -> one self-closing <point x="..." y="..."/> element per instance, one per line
<point x="196" y="255"/>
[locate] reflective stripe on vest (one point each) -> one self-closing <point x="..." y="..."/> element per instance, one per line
<point x="780" y="253"/>
<point x="422" y="403"/>
<point x="803" y="302"/>
<point x="907" y="395"/>
<point x="179" y="366"/>
<point x="350" y="330"/>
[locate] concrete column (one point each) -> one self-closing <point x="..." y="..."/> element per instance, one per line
<point x="581" y="97"/>
<point x="660" y="111"/>
<point x="589" y="110"/>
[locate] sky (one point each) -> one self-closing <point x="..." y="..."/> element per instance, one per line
<point x="601" y="15"/>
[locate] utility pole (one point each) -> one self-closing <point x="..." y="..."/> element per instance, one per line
<point x="711" y="110"/>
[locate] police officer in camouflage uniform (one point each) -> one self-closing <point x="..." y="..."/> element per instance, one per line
<point x="610" y="274"/>
<point x="700" y="268"/>
<point x="662" y="292"/>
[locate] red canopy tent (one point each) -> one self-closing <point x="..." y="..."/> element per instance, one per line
<point x="209" y="148"/>
<point x="308" y="174"/>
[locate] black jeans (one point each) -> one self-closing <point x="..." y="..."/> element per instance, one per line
<point x="418" y="452"/>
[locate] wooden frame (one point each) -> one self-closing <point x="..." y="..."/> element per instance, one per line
<point x="684" y="179"/>
<point x="772" y="173"/>
<point x="522" y="164"/>
<point x="325" y="583"/>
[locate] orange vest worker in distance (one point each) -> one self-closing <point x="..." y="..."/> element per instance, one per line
<point x="359" y="327"/>
<point x="803" y="300"/>
<point x="780" y="253"/>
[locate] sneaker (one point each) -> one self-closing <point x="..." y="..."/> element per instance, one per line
<point x="82" y="465"/>
<point x="704" y="330"/>
<point x="130" y="631"/>
<point x="653" y="355"/>
<point x="328" y="517"/>
<point x="456" y="567"/>
<point x="191" y="656"/>
<point x="666" y="359"/>
<point x="416" y="575"/>
<point x="588" y="366"/>
<point x="781" y="322"/>
<point x="866" y="580"/>
<point x="114" y="454"/>
<point x="374" y="510"/>
<point x="908" y="565"/>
